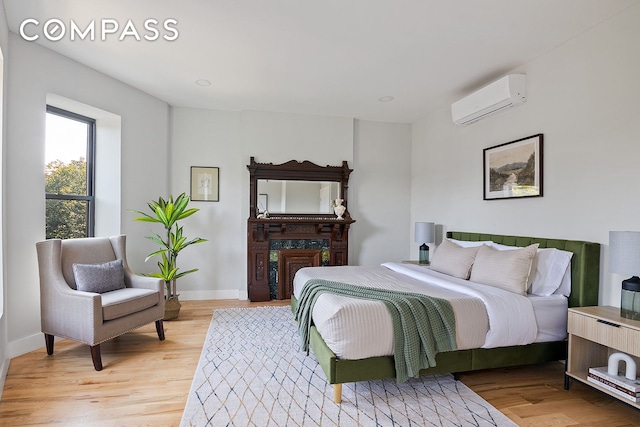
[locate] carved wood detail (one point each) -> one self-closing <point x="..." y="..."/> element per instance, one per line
<point x="336" y="231"/>
<point x="289" y="262"/>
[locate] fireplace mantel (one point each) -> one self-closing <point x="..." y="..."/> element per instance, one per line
<point x="272" y="235"/>
<point x="297" y="233"/>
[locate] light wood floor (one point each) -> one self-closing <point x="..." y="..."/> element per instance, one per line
<point x="146" y="382"/>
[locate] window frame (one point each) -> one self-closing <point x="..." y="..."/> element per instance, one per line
<point x="91" y="149"/>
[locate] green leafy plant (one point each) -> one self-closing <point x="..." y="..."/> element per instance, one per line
<point x="66" y="219"/>
<point x="168" y="213"/>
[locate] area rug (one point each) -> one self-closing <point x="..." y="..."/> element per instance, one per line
<point x="253" y="373"/>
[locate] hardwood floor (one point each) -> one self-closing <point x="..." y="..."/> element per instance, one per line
<point x="146" y="381"/>
<point x="535" y="396"/>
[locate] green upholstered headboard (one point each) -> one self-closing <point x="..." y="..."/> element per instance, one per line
<point x="585" y="263"/>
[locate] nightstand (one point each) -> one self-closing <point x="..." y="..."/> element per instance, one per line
<point x="594" y="334"/>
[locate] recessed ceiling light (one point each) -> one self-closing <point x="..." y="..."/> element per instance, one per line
<point x="203" y="82"/>
<point x="386" y="99"/>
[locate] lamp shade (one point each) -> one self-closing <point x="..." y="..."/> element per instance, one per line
<point x="624" y="252"/>
<point x="425" y="232"/>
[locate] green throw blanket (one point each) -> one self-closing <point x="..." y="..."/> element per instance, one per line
<point x="422" y="325"/>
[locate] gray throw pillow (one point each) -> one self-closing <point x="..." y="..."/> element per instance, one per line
<point x="99" y="278"/>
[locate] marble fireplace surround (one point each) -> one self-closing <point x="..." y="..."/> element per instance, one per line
<point x="286" y="257"/>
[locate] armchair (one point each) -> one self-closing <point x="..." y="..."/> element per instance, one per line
<point x="92" y="317"/>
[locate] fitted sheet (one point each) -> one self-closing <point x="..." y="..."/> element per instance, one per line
<point x="551" y="317"/>
<point x="357" y="329"/>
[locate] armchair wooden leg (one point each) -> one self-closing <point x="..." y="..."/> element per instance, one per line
<point x="48" y="341"/>
<point x="160" y="329"/>
<point x="97" y="358"/>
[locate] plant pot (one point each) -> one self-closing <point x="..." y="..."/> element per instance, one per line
<point x="171" y="308"/>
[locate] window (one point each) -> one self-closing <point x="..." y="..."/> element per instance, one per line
<point x="69" y="174"/>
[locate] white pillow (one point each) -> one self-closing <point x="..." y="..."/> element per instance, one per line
<point x="565" y="284"/>
<point x="506" y="269"/>
<point x="453" y="260"/>
<point x="501" y="247"/>
<point x="467" y="244"/>
<point x="551" y="267"/>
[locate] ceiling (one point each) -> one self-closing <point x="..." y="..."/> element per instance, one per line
<point x="328" y="57"/>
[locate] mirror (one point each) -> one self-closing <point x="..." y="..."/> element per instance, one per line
<point x="302" y="190"/>
<point x="301" y="197"/>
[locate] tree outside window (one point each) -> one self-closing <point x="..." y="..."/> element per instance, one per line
<point x="69" y="182"/>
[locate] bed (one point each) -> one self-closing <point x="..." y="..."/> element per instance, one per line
<point x="584" y="272"/>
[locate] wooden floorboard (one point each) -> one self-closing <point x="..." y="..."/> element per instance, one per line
<point x="535" y="396"/>
<point x="146" y="381"/>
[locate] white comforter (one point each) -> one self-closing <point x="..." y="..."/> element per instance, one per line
<point x="356" y="329"/>
<point x="511" y="317"/>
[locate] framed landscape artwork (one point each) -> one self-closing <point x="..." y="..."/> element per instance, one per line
<point x="513" y="169"/>
<point x="205" y="184"/>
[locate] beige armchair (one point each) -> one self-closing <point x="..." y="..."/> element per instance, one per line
<point x="91" y="317"/>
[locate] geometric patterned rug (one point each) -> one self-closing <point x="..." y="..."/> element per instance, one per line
<point x="253" y="373"/>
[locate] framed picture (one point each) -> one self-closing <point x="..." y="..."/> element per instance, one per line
<point x="513" y="169"/>
<point x="205" y="184"/>
<point x="263" y="203"/>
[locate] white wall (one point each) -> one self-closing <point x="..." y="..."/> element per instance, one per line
<point x="4" y="77"/>
<point x="380" y="193"/>
<point x="210" y="138"/>
<point x="583" y="96"/>
<point x="227" y="140"/>
<point x="35" y="72"/>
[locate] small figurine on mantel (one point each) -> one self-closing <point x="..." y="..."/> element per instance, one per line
<point x="338" y="208"/>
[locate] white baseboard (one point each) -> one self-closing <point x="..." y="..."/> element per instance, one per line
<point x="3" y="374"/>
<point x="25" y="345"/>
<point x="203" y="295"/>
<point x="18" y="348"/>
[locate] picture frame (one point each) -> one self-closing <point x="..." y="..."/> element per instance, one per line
<point x="205" y="184"/>
<point x="513" y="169"/>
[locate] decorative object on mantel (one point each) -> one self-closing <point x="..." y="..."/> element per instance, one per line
<point x="338" y="208"/>
<point x="168" y="213"/>
<point x="424" y="233"/>
<point x="263" y="203"/>
<point x="513" y="169"/>
<point x="624" y="258"/>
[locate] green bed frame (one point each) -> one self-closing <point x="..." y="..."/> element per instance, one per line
<point x="585" y="277"/>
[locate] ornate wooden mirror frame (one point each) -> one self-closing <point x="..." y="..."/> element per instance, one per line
<point x="297" y="171"/>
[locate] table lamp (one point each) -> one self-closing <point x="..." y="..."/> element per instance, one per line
<point x="424" y="233"/>
<point x="624" y="258"/>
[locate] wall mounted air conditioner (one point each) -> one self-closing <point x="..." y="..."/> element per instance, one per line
<point x="504" y="93"/>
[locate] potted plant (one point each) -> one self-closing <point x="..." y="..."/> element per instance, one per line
<point x="168" y="213"/>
